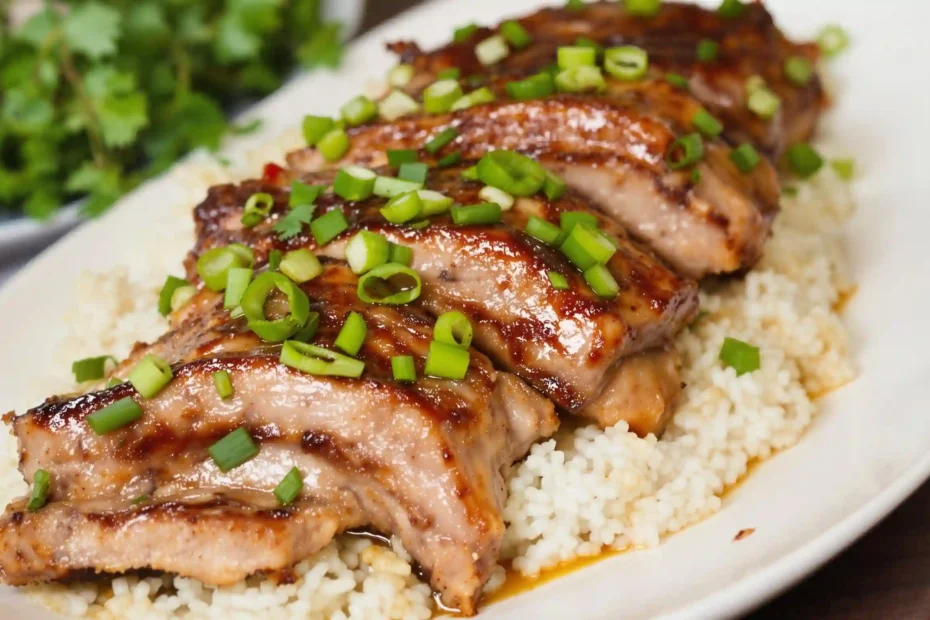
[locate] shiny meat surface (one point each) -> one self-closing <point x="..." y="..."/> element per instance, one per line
<point x="422" y="461"/>
<point x="565" y="343"/>
<point x="615" y="153"/>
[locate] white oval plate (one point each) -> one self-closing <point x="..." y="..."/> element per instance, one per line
<point x="866" y="451"/>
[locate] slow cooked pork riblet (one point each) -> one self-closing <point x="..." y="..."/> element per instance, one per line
<point x="570" y="344"/>
<point x="423" y="461"/>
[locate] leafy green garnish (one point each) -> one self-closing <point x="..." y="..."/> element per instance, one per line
<point x="291" y="224"/>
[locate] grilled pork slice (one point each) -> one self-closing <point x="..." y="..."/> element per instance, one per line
<point x="423" y="461"/>
<point x="614" y="154"/>
<point x="569" y="344"/>
<point x="748" y="45"/>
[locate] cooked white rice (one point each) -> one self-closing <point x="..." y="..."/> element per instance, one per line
<point x="595" y="489"/>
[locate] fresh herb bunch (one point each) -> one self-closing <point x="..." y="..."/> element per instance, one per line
<point x="97" y="96"/>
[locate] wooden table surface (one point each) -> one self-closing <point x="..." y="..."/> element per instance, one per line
<point x="884" y="575"/>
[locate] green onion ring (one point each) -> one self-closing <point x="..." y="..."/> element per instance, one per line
<point x="453" y="328"/>
<point x="315" y="360"/>
<point x="516" y="174"/>
<point x="253" y="306"/>
<point x="378" y="278"/>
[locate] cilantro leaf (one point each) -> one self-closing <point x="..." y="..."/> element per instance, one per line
<point x="323" y="49"/>
<point x="93" y="29"/>
<point x="26" y="111"/>
<point x="291" y="224"/>
<point x="37" y="28"/>
<point x="121" y="118"/>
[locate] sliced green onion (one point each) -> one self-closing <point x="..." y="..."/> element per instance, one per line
<point x="388" y="187"/>
<point x="439" y="96"/>
<point x="400" y="254"/>
<point x="570" y="56"/>
<point x="731" y="8"/>
<point x="328" y="226"/>
<point x="150" y="375"/>
<point x="390" y="284"/>
<point x="695" y="176"/>
<point x="301" y="265"/>
<point x="569" y="219"/>
<point x="289" y="487"/>
<point x="308" y="331"/>
<point x="167" y="290"/>
<point x="114" y="416"/>
<point x="315" y="127"/>
<point x="91" y="368"/>
<point x="516" y="174"/>
<point x="763" y="102"/>
<point x="559" y="282"/>
<point x="303" y="194"/>
<point x="740" y="356"/>
<point x="475" y="97"/>
<point x="333" y="145"/>
<point x="181" y="296"/>
<point x="626" y="63"/>
<point x="755" y="82"/>
<point x="402" y="208"/>
<point x="580" y="79"/>
<point x="642" y="8"/>
<point x="233" y="450"/>
<point x="366" y="251"/>
<point x="354" y="183"/>
<point x="359" y="110"/>
<point x="433" y="203"/>
<point x="400" y="75"/>
<point x="401" y="156"/>
<point x="685" y="151"/>
<point x="553" y="187"/>
<point x="447" y="361"/>
<point x="253" y="306"/>
<point x="586" y="247"/>
<point x="832" y="40"/>
<point x="516" y="34"/>
<point x="704" y="122"/>
<point x="223" y="384"/>
<point x="575" y="5"/>
<point x="352" y="335"/>
<point x="534" y="87"/>
<point x="844" y="168"/>
<point x="38" y="496"/>
<point x="419" y="224"/>
<point x="397" y="105"/>
<point x="453" y="328"/>
<point x="707" y="50"/>
<point x="403" y="368"/>
<point x="586" y="42"/>
<point x="499" y="196"/>
<point x="465" y="32"/>
<point x="677" y="80"/>
<point x="113" y="382"/>
<point x="315" y="360"/>
<point x="745" y="157"/>
<point x="492" y="50"/>
<point x="601" y="281"/>
<point x="441" y="139"/>
<point x="414" y="172"/>
<point x="799" y="70"/>
<point x="452" y="73"/>
<point x="450" y="160"/>
<point x="471" y="215"/>
<point x="538" y="228"/>
<point x="803" y="160"/>
<point x="257" y="208"/>
<point x="237" y="280"/>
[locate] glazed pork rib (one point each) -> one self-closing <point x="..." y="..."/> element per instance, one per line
<point x="423" y="461"/>
<point x="569" y="344"/>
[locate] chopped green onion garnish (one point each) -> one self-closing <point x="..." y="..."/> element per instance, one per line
<point x="237" y="280"/>
<point x="586" y="42"/>
<point x="580" y="79"/>
<point x="575" y="5"/>
<point x="453" y="328"/>
<point x="402" y="208"/>
<point x="315" y="360"/>
<point x="388" y="187"/>
<point x="257" y="208"/>
<point x="642" y="8"/>
<point x="553" y="187"/>
<point x="803" y="160"/>
<point x="832" y="40"/>
<point x="499" y="196"/>
<point x="223" y="383"/>
<point x="403" y="156"/>
<point x="559" y="281"/>
<point x="315" y="127"/>
<point x="113" y="382"/>
<point x="731" y="8"/>
<point x="745" y="157"/>
<point x="740" y="356"/>
<point x="301" y="265"/>
<point x="366" y="251"/>
<point x="164" y="297"/>
<point x="516" y="174"/>
<point x="400" y="254"/>
<point x="91" y="368"/>
<point x="38" y="496"/>
<point x="464" y="32"/>
<point x="450" y="160"/>
<point x="354" y="183"/>
<point x="677" y="80"/>
<point x="470" y="174"/>
<point x="328" y="226"/>
<point x="492" y="50"/>
<point x="114" y="416"/>
<point x="685" y="151"/>
<point x="539" y="228"/>
<point x="150" y="375"/>
<point x="627" y="62"/>
<point x="400" y="75"/>
<point x="570" y="56"/>
<point x="475" y="97"/>
<point x="181" y="296"/>
<point x="516" y="34"/>
<point x="799" y="70"/>
<point x="403" y="368"/>
<point x="763" y="102"/>
<point x="359" y="110"/>
<point x="233" y="450"/>
<point x="485" y="213"/>
<point x="707" y="50"/>
<point x="303" y="194"/>
<point x="396" y="105"/>
<point x="601" y="281"/>
<point x="844" y="168"/>
<point x="534" y="87"/>
<point x="390" y="284"/>
<point x="308" y="331"/>
<point x="452" y="73"/>
<point x="289" y="487"/>
<point x="414" y="172"/>
<point x="695" y="176"/>
<point x="441" y="139"/>
<point x="352" y="335"/>
<point x="419" y="224"/>
<point x="447" y="361"/>
<point x="333" y="145"/>
<point x="706" y="124"/>
<point x="433" y="202"/>
<point x="253" y="306"/>
<point x="439" y="96"/>
<point x="586" y="247"/>
<point x="569" y="219"/>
